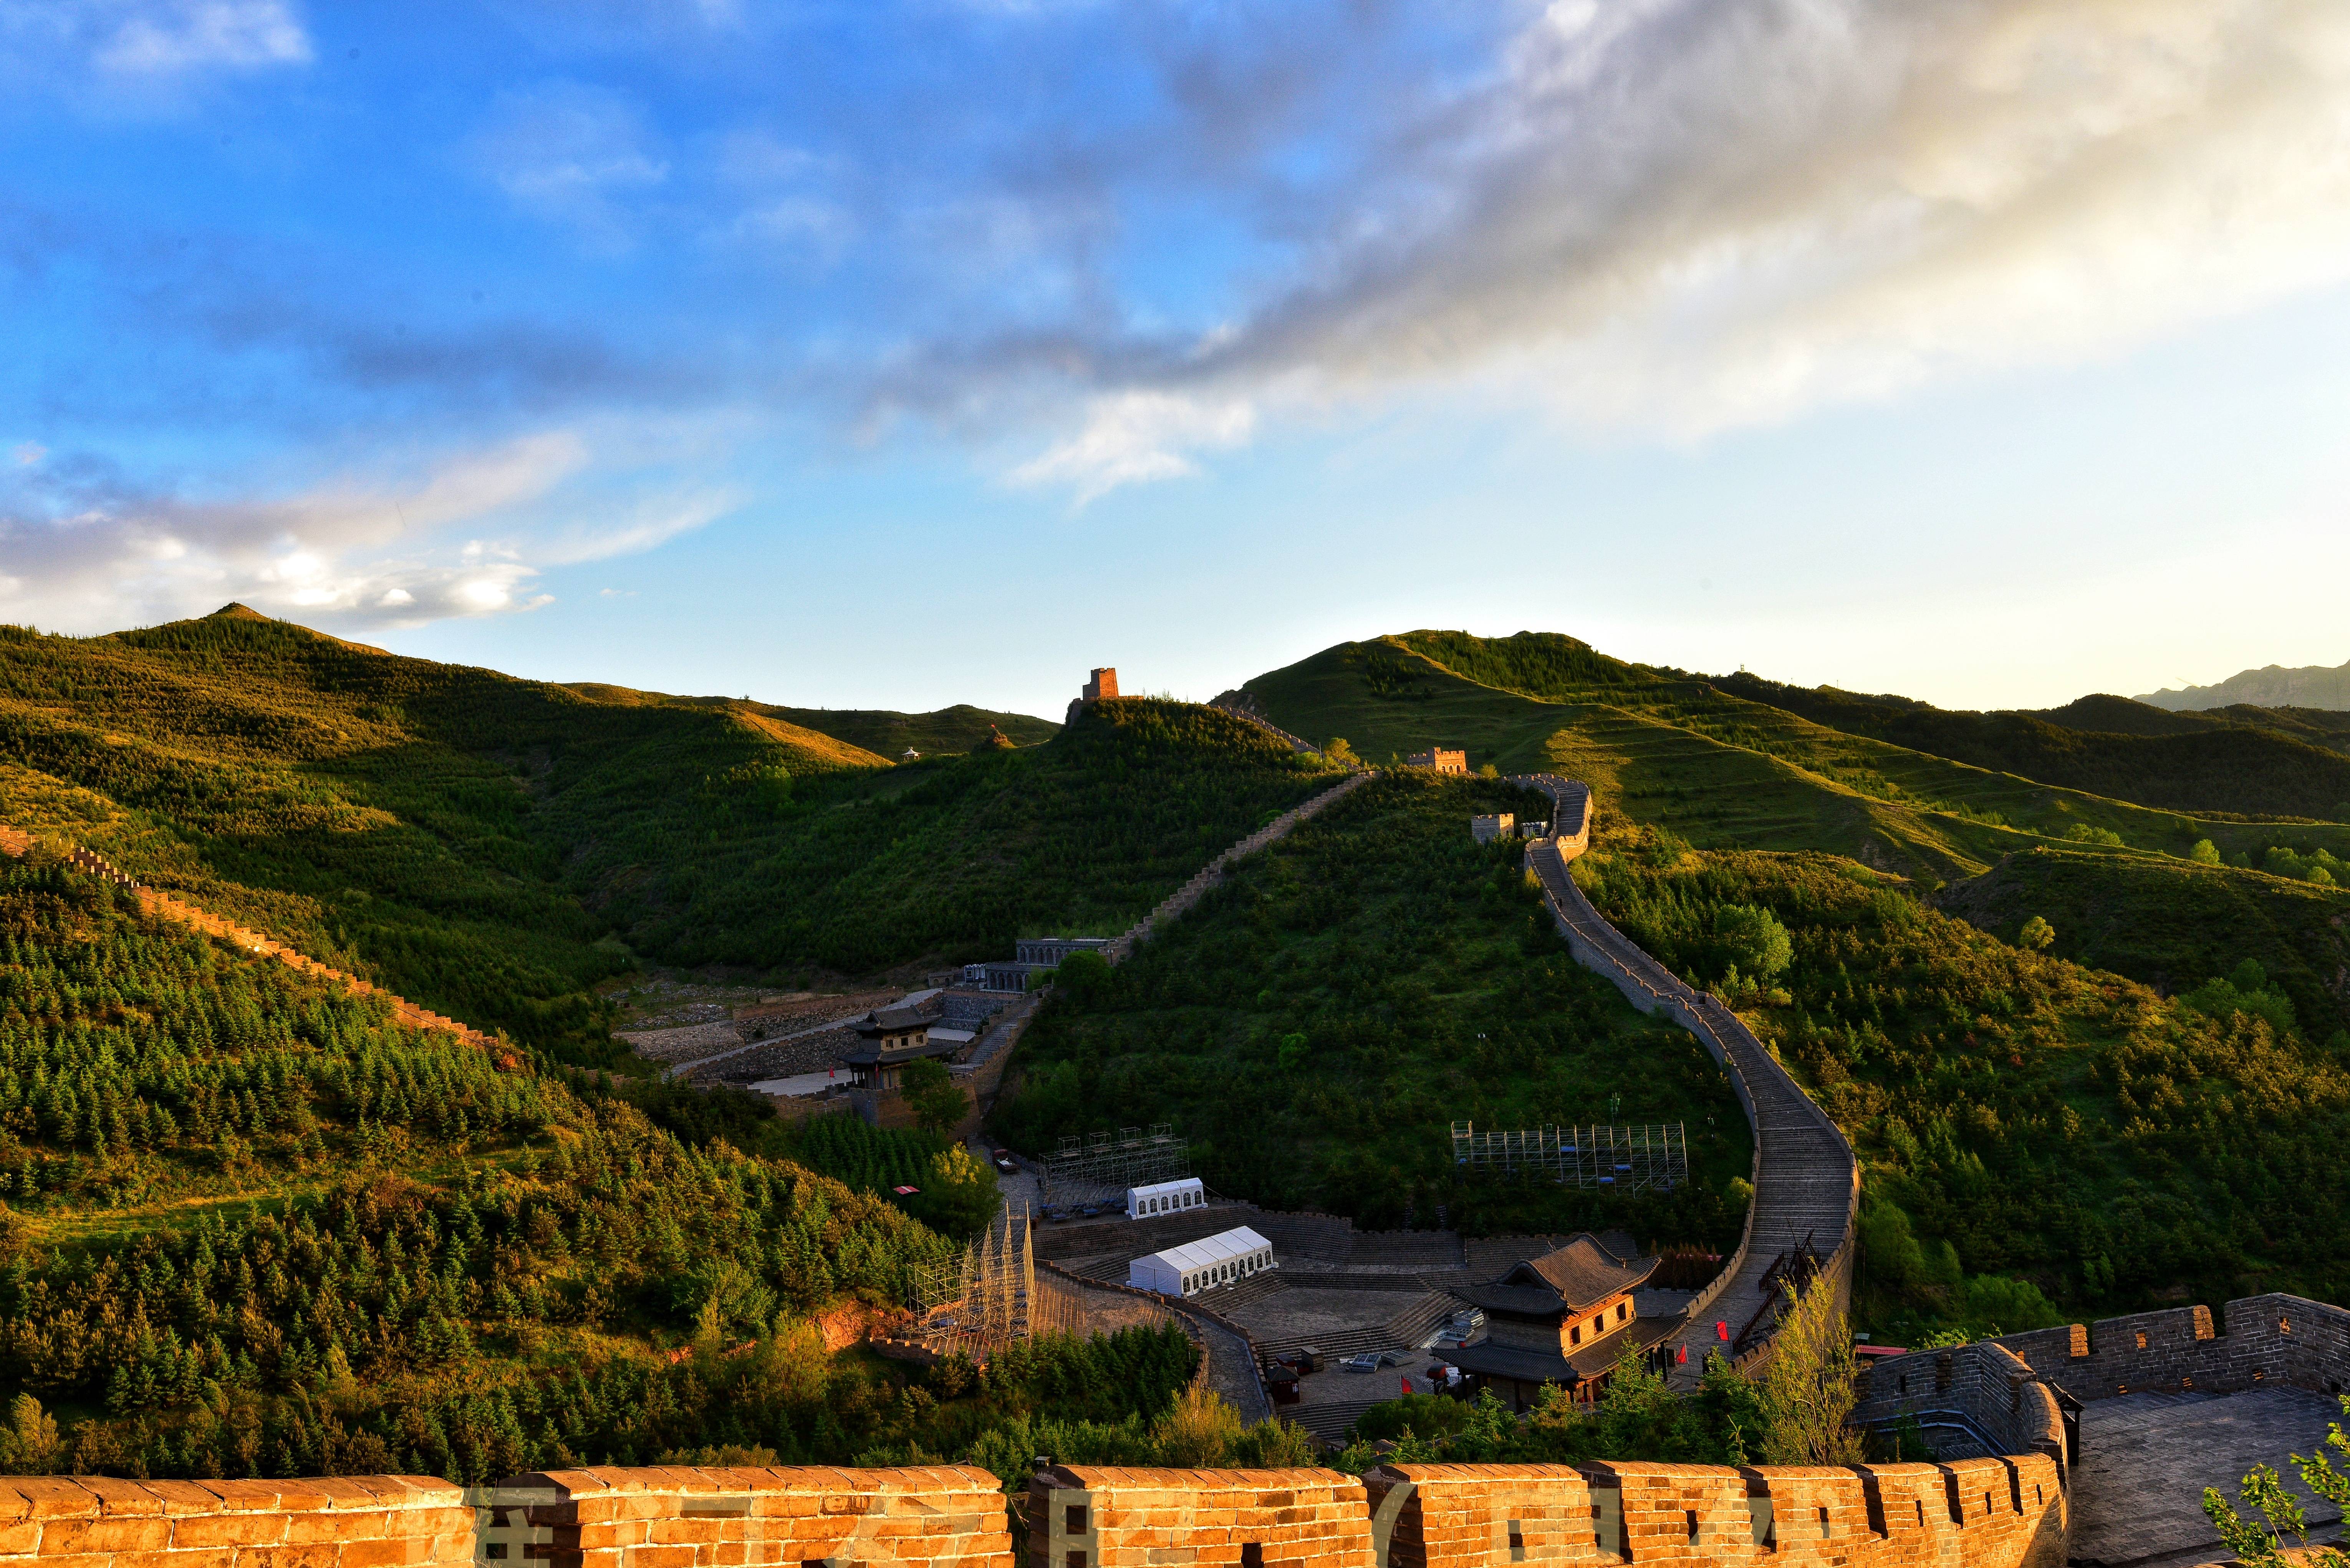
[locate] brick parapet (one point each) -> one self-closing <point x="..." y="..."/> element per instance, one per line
<point x="923" y="1517"/>
<point x="1084" y="1516"/>
<point x="2254" y="1341"/>
<point x="1967" y="1513"/>
<point x="1986" y="1384"/>
<point x="345" y="1521"/>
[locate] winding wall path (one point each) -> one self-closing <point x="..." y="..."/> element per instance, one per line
<point x="1207" y="875"/>
<point x="163" y="905"/>
<point x="1806" y="1182"/>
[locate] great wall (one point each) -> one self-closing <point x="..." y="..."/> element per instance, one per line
<point x="1806" y="1182"/>
<point x="2022" y="1401"/>
<point x="163" y="906"/>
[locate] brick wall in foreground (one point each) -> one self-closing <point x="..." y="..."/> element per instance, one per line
<point x="350" y="1522"/>
<point x="1967" y="1513"/>
<point x="918" y="1518"/>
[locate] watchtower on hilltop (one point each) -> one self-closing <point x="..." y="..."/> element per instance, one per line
<point x="1103" y="684"/>
<point x="1440" y="759"/>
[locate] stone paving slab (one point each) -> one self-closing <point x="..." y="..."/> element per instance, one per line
<point x="2137" y="1495"/>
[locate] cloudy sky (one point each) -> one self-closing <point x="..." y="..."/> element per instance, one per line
<point x="902" y="352"/>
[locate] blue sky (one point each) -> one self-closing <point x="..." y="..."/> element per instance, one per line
<point x="901" y="354"/>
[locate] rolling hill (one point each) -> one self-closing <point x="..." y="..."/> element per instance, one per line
<point x="494" y="847"/>
<point x="1721" y="770"/>
<point x="256" y="1226"/>
<point x="881" y="734"/>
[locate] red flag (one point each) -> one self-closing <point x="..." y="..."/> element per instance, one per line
<point x="1407" y="1384"/>
<point x="1721" y="1332"/>
<point x="1681" y="1355"/>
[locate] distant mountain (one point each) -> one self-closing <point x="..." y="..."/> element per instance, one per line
<point x="2312" y="686"/>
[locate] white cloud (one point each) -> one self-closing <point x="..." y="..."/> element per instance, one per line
<point x="28" y="453"/>
<point x="1684" y="214"/>
<point x="1135" y="437"/>
<point x="572" y="154"/>
<point x="183" y="36"/>
<point x="1673" y="216"/>
<point x="356" y="552"/>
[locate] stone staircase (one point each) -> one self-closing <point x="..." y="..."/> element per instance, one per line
<point x="164" y="906"/>
<point x="1208" y="876"/>
<point x="1231" y="703"/>
<point x="1806" y="1181"/>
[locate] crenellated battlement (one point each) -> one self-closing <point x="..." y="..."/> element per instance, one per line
<point x="1969" y="1513"/>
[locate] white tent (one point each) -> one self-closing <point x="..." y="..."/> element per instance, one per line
<point x="1202" y="1265"/>
<point x="1164" y="1198"/>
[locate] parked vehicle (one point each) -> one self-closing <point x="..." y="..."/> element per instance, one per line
<point x="1359" y="1363"/>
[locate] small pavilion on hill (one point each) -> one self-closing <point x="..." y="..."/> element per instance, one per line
<point x="1565" y="1317"/>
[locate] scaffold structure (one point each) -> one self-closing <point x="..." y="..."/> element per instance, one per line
<point x="1626" y="1159"/>
<point x="1104" y="1164"/>
<point x="984" y="1300"/>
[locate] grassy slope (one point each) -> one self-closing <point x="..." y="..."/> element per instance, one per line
<point x="486" y="844"/>
<point x="1668" y="755"/>
<point x="1413" y="981"/>
<point x="953" y="859"/>
<point x="2213" y="766"/>
<point x="2051" y="1122"/>
<point x="1722" y="771"/>
<point x="2174" y="924"/>
<point x="256" y="1226"/>
<point x="883" y="733"/>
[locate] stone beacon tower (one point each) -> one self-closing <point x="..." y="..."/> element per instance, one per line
<point x="1103" y="684"/>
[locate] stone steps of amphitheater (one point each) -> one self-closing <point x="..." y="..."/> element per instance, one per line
<point x="1329" y="1420"/>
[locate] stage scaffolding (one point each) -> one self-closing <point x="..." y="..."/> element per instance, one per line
<point x="987" y="1298"/>
<point x="1104" y="1165"/>
<point x="1627" y="1158"/>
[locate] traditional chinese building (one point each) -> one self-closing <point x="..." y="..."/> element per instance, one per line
<point x="1441" y="760"/>
<point x="1565" y="1317"/>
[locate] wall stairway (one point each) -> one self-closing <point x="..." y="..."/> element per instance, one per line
<point x="164" y="906"/>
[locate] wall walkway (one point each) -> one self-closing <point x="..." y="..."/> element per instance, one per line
<point x="1806" y="1181"/>
<point x="1969" y="1513"/>
<point x="1174" y="904"/>
<point x="163" y="906"/>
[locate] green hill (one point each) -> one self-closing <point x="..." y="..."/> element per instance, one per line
<point x="2174" y="924"/>
<point x="886" y="734"/>
<point x="2020" y="1117"/>
<point x="494" y="847"/>
<point x="254" y="1227"/>
<point x="1317" y="1023"/>
<point x="1724" y="770"/>
<point x="2211" y="766"/>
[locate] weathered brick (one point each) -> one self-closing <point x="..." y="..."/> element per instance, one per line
<point x="312" y="1554"/>
<point x="53" y="1497"/>
<point x="228" y="1530"/>
<point x="343" y="1524"/>
<point x="63" y="1536"/>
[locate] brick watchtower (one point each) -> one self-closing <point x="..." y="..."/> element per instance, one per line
<point x="1103" y="684"/>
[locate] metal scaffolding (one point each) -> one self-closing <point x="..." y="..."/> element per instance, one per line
<point x="1629" y="1159"/>
<point x="1104" y="1164"/>
<point x="984" y="1299"/>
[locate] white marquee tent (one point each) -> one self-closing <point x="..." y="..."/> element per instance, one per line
<point x="1202" y="1265"/>
<point x="1164" y="1198"/>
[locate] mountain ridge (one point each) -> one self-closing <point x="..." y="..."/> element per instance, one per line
<point x="2271" y="686"/>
